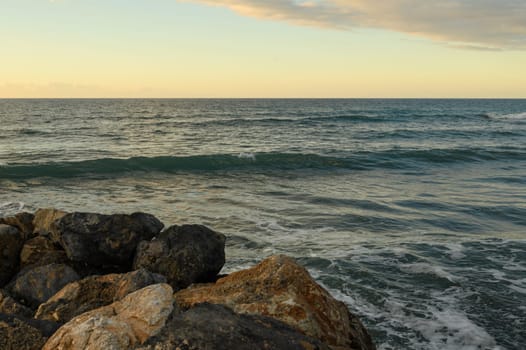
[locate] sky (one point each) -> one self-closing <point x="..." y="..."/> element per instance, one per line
<point x="256" y="48"/>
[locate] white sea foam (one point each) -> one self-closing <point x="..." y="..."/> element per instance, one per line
<point x="247" y="155"/>
<point x="11" y="208"/>
<point x="425" y="268"/>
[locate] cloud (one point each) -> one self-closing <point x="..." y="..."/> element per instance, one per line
<point x="472" y="24"/>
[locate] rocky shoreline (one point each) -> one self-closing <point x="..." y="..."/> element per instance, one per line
<point x="93" y="281"/>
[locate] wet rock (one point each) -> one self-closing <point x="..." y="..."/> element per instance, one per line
<point x="280" y="288"/>
<point x="40" y="251"/>
<point x="44" y="218"/>
<point x="99" y="240"/>
<point x="36" y="285"/>
<point x="121" y="325"/>
<point x="184" y="254"/>
<point x="208" y="326"/>
<point x="10" y="306"/>
<point x="22" y="221"/>
<point x="11" y="242"/>
<point x="93" y="292"/>
<point x="17" y="333"/>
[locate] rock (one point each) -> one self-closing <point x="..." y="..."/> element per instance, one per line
<point x="208" y="326"/>
<point x="40" y="251"/>
<point x="99" y="240"/>
<point x="10" y="244"/>
<point x="280" y="288"/>
<point x="10" y="306"/>
<point x="35" y="286"/>
<point x="121" y="325"/>
<point x="184" y="254"/>
<point x="44" y="218"/>
<point x="22" y="221"/>
<point x="93" y="292"/>
<point x="17" y="333"/>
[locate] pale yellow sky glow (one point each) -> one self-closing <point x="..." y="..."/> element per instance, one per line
<point x="238" y="48"/>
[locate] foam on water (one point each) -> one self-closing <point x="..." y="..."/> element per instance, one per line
<point x="11" y="208"/>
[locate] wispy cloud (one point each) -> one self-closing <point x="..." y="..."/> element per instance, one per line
<point x="472" y="24"/>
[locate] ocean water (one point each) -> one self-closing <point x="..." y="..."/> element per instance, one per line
<point x="413" y="212"/>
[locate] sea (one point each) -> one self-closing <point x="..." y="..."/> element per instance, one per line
<point x="411" y="211"/>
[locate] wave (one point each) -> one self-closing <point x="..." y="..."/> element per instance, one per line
<point x="268" y="162"/>
<point x="504" y="117"/>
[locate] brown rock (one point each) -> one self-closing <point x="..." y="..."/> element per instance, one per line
<point x="93" y="292"/>
<point x="22" y="221"/>
<point x="18" y="333"/>
<point x="44" y="218"/>
<point x="280" y="288"/>
<point x="121" y="325"/>
<point x="10" y="306"/>
<point x="35" y="286"/>
<point x="216" y="327"/>
<point x="40" y="251"/>
<point x="10" y="244"/>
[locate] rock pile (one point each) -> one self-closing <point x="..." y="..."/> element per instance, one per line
<point x="92" y="281"/>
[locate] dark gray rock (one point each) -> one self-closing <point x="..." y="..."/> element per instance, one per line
<point x="184" y="254"/>
<point x="10" y="306"/>
<point x="99" y="240"/>
<point x="34" y="286"/>
<point x="208" y="326"/>
<point x="19" y="333"/>
<point x="94" y="292"/>
<point x="22" y="221"/>
<point x="40" y="251"/>
<point x="11" y="242"/>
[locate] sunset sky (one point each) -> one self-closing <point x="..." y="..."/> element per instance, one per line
<point x="256" y="48"/>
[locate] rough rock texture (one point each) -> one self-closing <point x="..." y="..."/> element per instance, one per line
<point x="17" y="333"/>
<point x="121" y="325"/>
<point x="10" y="306"/>
<point x="40" y="251"/>
<point x="93" y="292"/>
<point x="44" y="218"/>
<point x="10" y="244"/>
<point x="280" y="288"/>
<point x="22" y="221"/>
<point x="35" y="286"/>
<point x="184" y="254"/>
<point x="99" y="240"/>
<point x="208" y="326"/>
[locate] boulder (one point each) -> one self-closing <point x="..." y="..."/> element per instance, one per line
<point x="93" y="292"/>
<point x="99" y="240"/>
<point x="208" y="326"/>
<point x="11" y="242"/>
<point x="280" y="288"/>
<point x="184" y="254"/>
<point x="121" y="325"/>
<point x="40" y="251"/>
<point x="44" y="218"/>
<point x="17" y="333"/>
<point x="22" y="221"/>
<point x="35" y="286"/>
<point x="10" y="306"/>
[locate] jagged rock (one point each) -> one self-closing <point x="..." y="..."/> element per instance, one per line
<point x="10" y="306"/>
<point x="22" y="221"/>
<point x="18" y="333"/>
<point x="10" y="244"/>
<point x="44" y="218"/>
<point x="208" y="326"/>
<point x="98" y="239"/>
<point x="35" y="286"/>
<point x="93" y="292"/>
<point x="121" y="325"/>
<point x="280" y="288"/>
<point x="184" y="254"/>
<point x="40" y="251"/>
